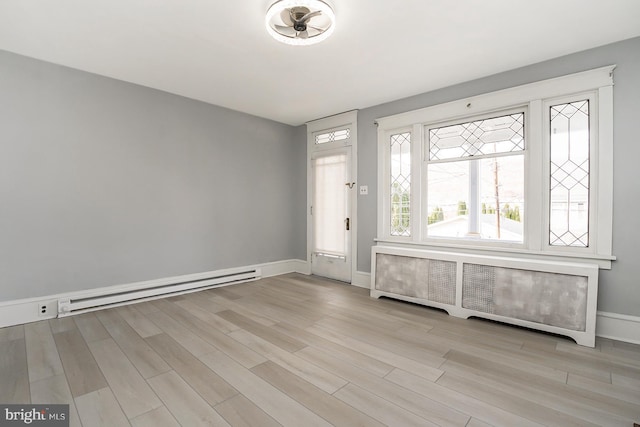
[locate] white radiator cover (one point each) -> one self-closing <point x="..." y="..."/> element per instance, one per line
<point x="558" y="297"/>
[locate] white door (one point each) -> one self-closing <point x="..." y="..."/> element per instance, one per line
<point x="331" y="213"/>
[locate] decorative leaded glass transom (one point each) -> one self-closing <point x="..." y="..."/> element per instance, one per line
<point x="495" y="135"/>
<point x="335" y="135"/>
<point x="400" y="146"/>
<point x="569" y="192"/>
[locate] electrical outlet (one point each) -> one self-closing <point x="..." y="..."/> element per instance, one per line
<point x="43" y="309"/>
<point x="364" y="190"/>
<point x="47" y="309"/>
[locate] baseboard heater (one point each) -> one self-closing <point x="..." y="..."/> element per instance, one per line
<point x="114" y="296"/>
<point x="558" y="297"/>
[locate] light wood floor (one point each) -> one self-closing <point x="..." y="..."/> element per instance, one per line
<point x="302" y="351"/>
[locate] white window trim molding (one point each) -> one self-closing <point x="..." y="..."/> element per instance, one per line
<point x="598" y="83"/>
<point x="503" y="99"/>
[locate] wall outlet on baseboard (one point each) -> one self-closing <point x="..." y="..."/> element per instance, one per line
<point x="47" y="309"/>
<point x="42" y="309"/>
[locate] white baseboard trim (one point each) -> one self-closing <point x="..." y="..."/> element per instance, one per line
<point x="361" y="279"/>
<point x="278" y="268"/>
<point x="28" y="310"/>
<point x="18" y="312"/>
<point x="615" y="326"/>
<point x="619" y="327"/>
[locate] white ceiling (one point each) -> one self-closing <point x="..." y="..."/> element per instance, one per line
<point x="218" y="51"/>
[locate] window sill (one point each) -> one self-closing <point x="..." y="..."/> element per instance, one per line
<point x="603" y="261"/>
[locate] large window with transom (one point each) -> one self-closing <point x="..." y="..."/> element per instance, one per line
<point x="525" y="170"/>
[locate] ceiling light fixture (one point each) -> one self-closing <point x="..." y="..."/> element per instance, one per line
<point x="300" y="22"/>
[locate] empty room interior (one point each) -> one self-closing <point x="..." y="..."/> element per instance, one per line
<point x="319" y="212"/>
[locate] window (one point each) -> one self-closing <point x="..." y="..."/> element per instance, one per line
<point x="569" y="160"/>
<point x="400" y="148"/>
<point x="475" y="179"/>
<point x="335" y="135"/>
<point x="524" y="170"/>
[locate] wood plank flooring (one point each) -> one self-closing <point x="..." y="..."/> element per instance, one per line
<point x="301" y="351"/>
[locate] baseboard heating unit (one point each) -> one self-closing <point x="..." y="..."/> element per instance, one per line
<point x="558" y="297"/>
<point x="143" y="291"/>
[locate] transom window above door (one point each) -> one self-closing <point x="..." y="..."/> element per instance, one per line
<point x="334" y="135"/>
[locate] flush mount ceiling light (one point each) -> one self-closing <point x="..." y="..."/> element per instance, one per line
<point x="300" y="22"/>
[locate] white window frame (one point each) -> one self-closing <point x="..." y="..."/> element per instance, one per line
<point x="595" y="85"/>
<point x="425" y="164"/>
<point x="386" y="183"/>
<point x="594" y="185"/>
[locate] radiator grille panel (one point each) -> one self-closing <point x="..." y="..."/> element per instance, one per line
<point x="442" y="282"/>
<point x="433" y="280"/>
<point x="478" y="282"/>
<point x="549" y="298"/>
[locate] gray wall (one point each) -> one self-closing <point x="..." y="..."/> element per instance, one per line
<point x="104" y="182"/>
<point x="619" y="287"/>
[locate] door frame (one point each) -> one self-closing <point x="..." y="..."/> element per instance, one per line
<point x="339" y="121"/>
